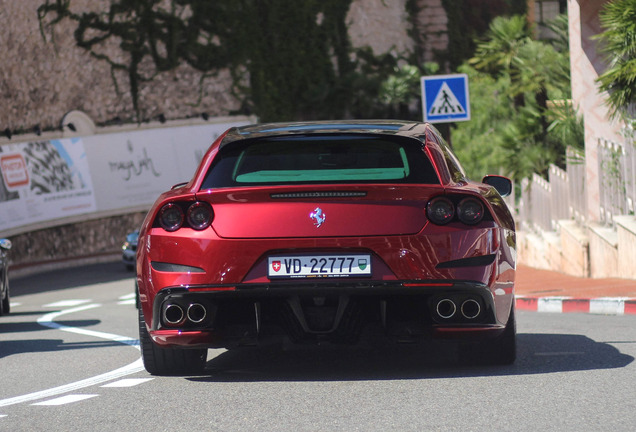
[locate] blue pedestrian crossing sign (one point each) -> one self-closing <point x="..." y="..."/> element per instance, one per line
<point x="445" y="98"/>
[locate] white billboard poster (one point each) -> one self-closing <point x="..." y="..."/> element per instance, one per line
<point x="48" y="180"/>
<point x="131" y="169"/>
<point x="44" y="180"/>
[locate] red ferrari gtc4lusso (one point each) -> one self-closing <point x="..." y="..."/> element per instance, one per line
<point x="326" y="232"/>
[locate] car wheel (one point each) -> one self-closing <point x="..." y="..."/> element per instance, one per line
<point x="5" y="307"/>
<point x="499" y="351"/>
<point x="168" y="361"/>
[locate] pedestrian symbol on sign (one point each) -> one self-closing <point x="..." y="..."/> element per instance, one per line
<point x="445" y="102"/>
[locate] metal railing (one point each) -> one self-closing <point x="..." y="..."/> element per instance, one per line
<point x="577" y="197"/>
<point x="617" y="179"/>
<point x="563" y="195"/>
<point x="544" y="202"/>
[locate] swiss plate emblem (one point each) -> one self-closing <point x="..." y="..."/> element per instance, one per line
<point x="276" y="266"/>
<point x="318" y="216"/>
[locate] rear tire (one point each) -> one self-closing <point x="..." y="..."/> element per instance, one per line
<point x="168" y="361"/>
<point x="500" y="351"/>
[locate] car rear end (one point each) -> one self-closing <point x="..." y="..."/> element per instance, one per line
<point x="325" y="236"/>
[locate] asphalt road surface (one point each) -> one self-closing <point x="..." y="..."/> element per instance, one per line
<point x="69" y="360"/>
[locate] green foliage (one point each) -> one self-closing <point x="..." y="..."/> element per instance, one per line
<point x="504" y="39"/>
<point x="478" y="142"/>
<point x="515" y="129"/>
<point x="618" y="19"/>
<point x="401" y="91"/>
<point x="468" y="20"/>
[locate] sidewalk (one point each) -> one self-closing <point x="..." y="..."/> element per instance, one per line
<point x="548" y="291"/>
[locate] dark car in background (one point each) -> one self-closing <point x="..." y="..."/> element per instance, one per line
<point x="129" y="250"/>
<point x="325" y="232"/>
<point x="5" y="305"/>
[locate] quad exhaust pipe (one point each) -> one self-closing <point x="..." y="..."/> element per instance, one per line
<point x="174" y="314"/>
<point x="470" y="309"/>
<point x="196" y="313"/>
<point x="447" y="309"/>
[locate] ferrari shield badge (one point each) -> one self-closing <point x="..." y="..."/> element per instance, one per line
<point x="317" y="216"/>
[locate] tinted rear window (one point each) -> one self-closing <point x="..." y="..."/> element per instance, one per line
<point x="320" y="160"/>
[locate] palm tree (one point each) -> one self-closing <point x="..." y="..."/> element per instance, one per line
<point x="504" y="39"/>
<point x="618" y="18"/>
<point x="534" y="72"/>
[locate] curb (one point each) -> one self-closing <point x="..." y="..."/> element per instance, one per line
<point x="601" y="305"/>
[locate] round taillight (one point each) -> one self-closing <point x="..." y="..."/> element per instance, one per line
<point x="171" y="217"/>
<point x="199" y="215"/>
<point x="470" y="211"/>
<point x="440" y="210"/>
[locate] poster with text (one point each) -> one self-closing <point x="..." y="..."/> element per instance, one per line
<point x="131" y="169"/>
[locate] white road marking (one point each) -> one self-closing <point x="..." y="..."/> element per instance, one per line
<point x="12" y="304"/>
<point x="128" y="299"/>
<point x="128" y="382"/>
<point x="562" y="353"/>
<point x="132" y="368"/>
<point x="127" y="302"/>
<point x="66" y="303"/>
<point x="65" y="400"/>
<point x="47" y="321"/>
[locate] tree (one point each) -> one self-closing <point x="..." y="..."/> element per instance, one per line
<point x="518" y="130"/>
<point x="618" y="18"/>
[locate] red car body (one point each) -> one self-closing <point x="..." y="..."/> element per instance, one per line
<point x="326" y="231"/>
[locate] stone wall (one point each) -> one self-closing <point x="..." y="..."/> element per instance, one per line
<point x="41" y="80"/>
<point x="592" y="251"/>
<point x="66" y="244"/>
<point x="45" y="75"/>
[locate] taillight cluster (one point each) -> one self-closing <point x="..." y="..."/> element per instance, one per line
<point x="441" y="210"/>
<point x="197" y="215"/>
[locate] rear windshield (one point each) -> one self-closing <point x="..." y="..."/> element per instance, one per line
<point x="320" y="160"/>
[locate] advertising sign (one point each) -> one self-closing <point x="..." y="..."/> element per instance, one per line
<point x="51" y="179"/>
<point x="44" y="180"/>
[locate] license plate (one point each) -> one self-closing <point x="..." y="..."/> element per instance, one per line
<point x="316" y="266"/>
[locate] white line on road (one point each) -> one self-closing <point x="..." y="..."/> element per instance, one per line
<point x="137" y="366"/>
<point x="66" y="303"/>
<point x="128" y="382"/>
<point x="559" y="353"/>
<point x="127" y="302"/>
<point x="47" y="321"/>
<point x="65" y="400"/>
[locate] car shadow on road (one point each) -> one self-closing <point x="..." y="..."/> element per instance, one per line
<point x="537" y="354"/>
<point x="69" y="278"/>
<point x="8" y="348"/>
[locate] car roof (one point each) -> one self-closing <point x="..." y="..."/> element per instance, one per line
<point x="378" y="127"/>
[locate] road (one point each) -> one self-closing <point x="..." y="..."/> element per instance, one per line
<point x="69" y="361"/>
